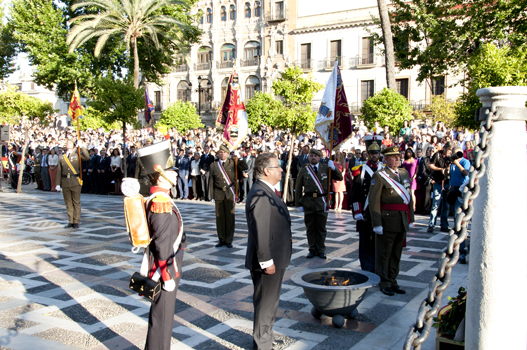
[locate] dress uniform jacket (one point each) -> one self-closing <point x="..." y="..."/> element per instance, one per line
<point x="65" y="177"/>
<point x="218" y="186"/>
<point x="306" y="185"/>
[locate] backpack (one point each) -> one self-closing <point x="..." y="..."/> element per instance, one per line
<point x="136" y="221"/>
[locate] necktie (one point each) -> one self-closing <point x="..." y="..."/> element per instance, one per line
<point x="397" y="174"/>
<point x="316" y="169"/>
<point x="277" y="193"/>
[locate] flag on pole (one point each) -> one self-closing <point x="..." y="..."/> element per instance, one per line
<point x="149" y="107"/>
<point x="334" y="120"/>
<point x="232" y="118"/>
<point x="75" y="108"/>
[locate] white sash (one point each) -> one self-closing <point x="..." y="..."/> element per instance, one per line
<point x="397" y="187"/>
<point x="229" y="183"/>
<point x="370" y="171"/>
<point x="317" y="182"/>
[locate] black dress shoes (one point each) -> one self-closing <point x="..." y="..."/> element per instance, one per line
<point x="228" y="245"/>
<point x="68" y="226"/>
<point x="398" y="290"/>
<point x="75" y="226"/>
<point x="310" y="255"/>
<point x="387" y="291"/>
<point x="220" y="243"/>
<point x="322" y="256"/>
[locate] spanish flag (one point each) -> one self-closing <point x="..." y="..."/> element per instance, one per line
<point x="75" y="109"/>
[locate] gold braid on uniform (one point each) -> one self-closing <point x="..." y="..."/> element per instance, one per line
<point x="161" y="204"/>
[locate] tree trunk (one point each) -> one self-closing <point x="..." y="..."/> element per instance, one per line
<point x="389" y="56"/>
<point x="22" y="162"/>
<point x="124" y="150"/>
<point x="288" y="171"/>
<point x="136" y="63"/>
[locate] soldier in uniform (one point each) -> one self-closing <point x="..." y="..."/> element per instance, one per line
<point x="36" y="169"/>
<point x="167" y="245"/>
<point x="222" y="187"/>
<point x="141" y="174"/>
<point x="68" y="177"/>
<point x="392" y="214"/>
<point x="362" y="175"/>
<point x="310" y="191"/>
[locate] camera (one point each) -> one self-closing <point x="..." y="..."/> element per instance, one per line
<point x="456" y="155"/>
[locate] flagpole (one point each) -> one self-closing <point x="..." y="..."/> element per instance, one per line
<point x="78" y="136"/>
<point x="329" y="172"/>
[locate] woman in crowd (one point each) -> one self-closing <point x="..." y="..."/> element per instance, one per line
<point x="115" y="168"/>
<point x="339" y="187"/>
<point x="195" y="176"/>
<point x="387" y="141"/>
<point x="405" y="131"/>
<point x="410" y="164"/>
<point x="53" y="162"/>
<point x="468" y="153"/>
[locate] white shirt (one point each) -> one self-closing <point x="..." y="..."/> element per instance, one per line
<point x="53" y="160"/>
<point x="266" y="264"/>
<point x="115" y="161"/>
<point x="194" y="167"/>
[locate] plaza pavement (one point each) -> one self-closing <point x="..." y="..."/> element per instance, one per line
<point x="68" y="289"/>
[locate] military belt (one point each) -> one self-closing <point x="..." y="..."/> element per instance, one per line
<point x="69" y="175"/>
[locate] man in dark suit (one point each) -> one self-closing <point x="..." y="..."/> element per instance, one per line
<point x="93" y="166"/>
<point x="222" y="186"/>
<point x="204" y="167"/>
<point x="36" y="168"/>
<point x="183" y="165"/>
<point x="392" y="213"/>
<point x="247" y="175"/>
<point x="269" y="246"/>
<point x="303" y="158"/>
<point x="131" y="162"/>
<point x="103" y="172"/>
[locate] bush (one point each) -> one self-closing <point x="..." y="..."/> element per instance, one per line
<point x="388" y="108"/>
<point x="181" y="115"/>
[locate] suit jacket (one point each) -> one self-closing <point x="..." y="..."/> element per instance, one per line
<point x="64" y="169"/>
<point x="250" y="163"/>
<point x="104" y="163"/>
<point x="217" y="181"/>
<point x="183" y="164"/>
<point x="93" y="163"/>
<point x="302" y="161"/>
<point x="306" y="184"/>
<point x="269" y="226"/>
<point x="382" y="192"/>
<point x="206" y="162"/>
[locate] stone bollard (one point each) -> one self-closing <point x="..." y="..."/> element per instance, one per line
<point x="497" y="282"/>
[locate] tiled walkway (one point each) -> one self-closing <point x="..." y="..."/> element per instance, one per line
<point x="65" y="289"/>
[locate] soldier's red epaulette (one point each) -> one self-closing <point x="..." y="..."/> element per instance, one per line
<point x="161" y="204"/>
<point x="355" y="171"/>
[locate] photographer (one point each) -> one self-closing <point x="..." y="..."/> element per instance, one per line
<point x="440" y="166"/>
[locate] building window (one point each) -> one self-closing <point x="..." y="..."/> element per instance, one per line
<point x="252" y="49"/>
<point x="367" y="88"/>
<point x="201" y="20"/>
<point x="158" y="101"/>
<point x="279" y="9"/>
<point x="252" y="84"/>
<point x="367" y="51"/>
<point x="257" y="9"/>
<point x="204" y="54"/>
<point x="305" y="56"/>
<point x="247" y="10"/>
<point x="228" y="52"/>
<point x="209" y="15"/>
<point x="183" y="91"/>
<point x="223" y="14"/>
<point x="401" y="86"/>
<point x="438" y="86"/>
<point x="224" y="85"/>
<point x="280" y="47"/>
<point x="335" y="51"/>
<point x="232" y="13"/>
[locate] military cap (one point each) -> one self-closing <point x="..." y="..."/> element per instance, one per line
<point x="391" y="151"/>
<point x="374" y="147"/>
<point x="315" y="151"/>
<point x="224" y="148"/>
<point x="154" y="155"/>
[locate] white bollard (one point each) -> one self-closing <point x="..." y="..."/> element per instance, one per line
<point x="497" y="282"/>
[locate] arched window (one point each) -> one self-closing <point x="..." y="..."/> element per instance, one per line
<point x="224" y="85"/>
<point x="251" y="50"/>
<point x="247" y="10"/>
<point x="252" y="84"/>
<point x="228" y="52"/>
<point x="223" y="14"/>
<point x="204" y="58"/>
<point x="183" y="91"/>
<point x="232" y="13"/>
<point x="257" y="9"/>
<point x="209" y="15"/>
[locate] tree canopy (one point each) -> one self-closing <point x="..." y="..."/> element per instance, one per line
<point x="15" y="105"/>
<point x="262" y="109"/>
<point x="388" y="108"/>
<point x="7" y="47"/>
<point x="296" y="93"/>
<point x="181" y="115"/>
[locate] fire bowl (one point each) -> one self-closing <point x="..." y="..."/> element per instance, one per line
<point x="337" y="301"/>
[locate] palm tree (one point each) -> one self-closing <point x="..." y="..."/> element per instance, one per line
<point x="129" y="18"/>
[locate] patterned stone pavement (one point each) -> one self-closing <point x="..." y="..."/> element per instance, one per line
<point x="68" y="289"/>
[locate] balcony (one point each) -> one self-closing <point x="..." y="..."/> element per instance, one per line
<point x="277" y="16"/>
<point x="205" y="106"/>
<point x="203" y="66"/>
<point x="363" y="61"/>
<point x="328" y="63"/>
<point x="250" y="62"/>
<point x="182" y="68"/>
<point x="225" y="64"/>
<point x="306" y="65"/>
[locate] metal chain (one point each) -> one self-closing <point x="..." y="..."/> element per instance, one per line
<point x="430" y="306"/>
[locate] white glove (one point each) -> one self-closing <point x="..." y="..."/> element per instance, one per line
<point x="169" y="285"/>
<point x="57" y="188"/>
<point x="411" y="225"/>
<point x="130" y="186"/>
<point x="358" y="217"/>
<point x="301" y="209"/>
<point x="331" y="164"/>
<point x="212" y="201"/>
<point x="378" y="230"/>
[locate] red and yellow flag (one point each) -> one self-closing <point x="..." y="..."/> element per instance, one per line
<point x="75" y="108"/>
